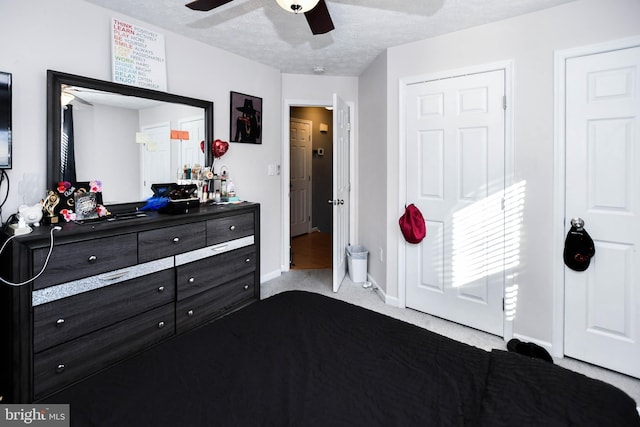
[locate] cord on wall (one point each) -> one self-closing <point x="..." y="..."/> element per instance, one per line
<point x="46" y="261"/>
<point x="3" y="176"/>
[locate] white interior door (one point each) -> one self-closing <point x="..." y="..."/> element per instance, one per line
<point x="300" y="147"/>
<point x="190" y="151"/>
<point x="341" y="189"/>
<point x="156" y="158"/>
<point x="602" y="304"/>
<point x="455" y="131"/>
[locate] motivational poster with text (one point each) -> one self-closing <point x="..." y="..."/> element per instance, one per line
<point x="138" y="56"/>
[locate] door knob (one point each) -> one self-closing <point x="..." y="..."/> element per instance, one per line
<point x="578" y="223"/>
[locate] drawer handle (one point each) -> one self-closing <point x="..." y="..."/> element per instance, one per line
<point x="160" y="325"/>
<point x="190" y="313"/>
<point x="60" y="322"/>
<point x="161" y="289"/>
<point x="191" y="279"/>
<point x="176" y="240"/>
<point x="232" y="228"/>
<point x="60" y="368"/>
<point x="114" y="276"/>
<point x="246" y="287"/>
<point x="92" y="258"/>
<point x="247" y="261"/>
<point x="220" y="248"/>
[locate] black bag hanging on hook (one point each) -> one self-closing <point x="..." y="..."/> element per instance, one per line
<point x="578" y="249"/>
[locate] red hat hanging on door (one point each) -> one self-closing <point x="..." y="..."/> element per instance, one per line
<point x="412" y="224"/>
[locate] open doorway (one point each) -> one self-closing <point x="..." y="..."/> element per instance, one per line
<point x="311" y="180"/>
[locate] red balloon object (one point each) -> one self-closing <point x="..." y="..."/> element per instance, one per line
<point x="219" y="148"/>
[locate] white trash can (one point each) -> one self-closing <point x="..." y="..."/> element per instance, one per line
<point x="357" y="263"/>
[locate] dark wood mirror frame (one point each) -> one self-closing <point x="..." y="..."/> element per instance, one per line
<point x="56" y="79"/>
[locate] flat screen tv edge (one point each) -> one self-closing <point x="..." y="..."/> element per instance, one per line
<point x="5" y="120"/>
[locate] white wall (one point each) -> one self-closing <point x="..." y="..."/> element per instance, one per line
<point x="318" y="87"/>
<point x="73" y="36"/>
<point x="372" y="173"/>
<point x="530" y="41"/>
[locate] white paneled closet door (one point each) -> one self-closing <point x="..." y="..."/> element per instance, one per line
<point x="602" y="304"/>
<point x="455" y="131"/>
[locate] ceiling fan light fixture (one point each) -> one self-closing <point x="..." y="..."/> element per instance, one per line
<point x="297" y="6"/>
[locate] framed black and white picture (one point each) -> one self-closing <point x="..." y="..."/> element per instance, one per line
<point x="246" y="118"/>
<point x="5" y="120"/>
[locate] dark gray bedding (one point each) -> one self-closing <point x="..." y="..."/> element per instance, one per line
<point x="302" y="359"/>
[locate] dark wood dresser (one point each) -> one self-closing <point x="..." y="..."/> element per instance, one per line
<point x="114" y="288"/>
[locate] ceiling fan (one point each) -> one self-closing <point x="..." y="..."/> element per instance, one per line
<point x="315" y="11"/>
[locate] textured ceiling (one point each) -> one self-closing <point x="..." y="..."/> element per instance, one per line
<point x="261" y="31"/>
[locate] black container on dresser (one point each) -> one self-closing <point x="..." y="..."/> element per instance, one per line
<point x="114" y="288"/>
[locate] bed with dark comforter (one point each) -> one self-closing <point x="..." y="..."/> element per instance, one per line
<point x="302" y="359"/>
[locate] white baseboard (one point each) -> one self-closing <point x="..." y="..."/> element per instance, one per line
<point x="269" y="276"/>
<point x="383" y="296"/>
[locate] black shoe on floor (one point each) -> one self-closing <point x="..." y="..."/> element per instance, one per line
<point x="529" y="349"/>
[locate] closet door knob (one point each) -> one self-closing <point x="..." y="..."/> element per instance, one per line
<point x="577" y="223"/>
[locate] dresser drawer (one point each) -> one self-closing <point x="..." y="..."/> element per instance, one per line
<point x="199" y="276"/>
<point x="81" y="259"/>
<point x="214" y="302"/>
<point x="229" y="228"/>
<point x="64" y="364"/>
<point x="68" y="318"/>
<point x="169" y="241"/>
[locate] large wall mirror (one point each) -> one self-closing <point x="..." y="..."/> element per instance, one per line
<point x="121" y="135"/>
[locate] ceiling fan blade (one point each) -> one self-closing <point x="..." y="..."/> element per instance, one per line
<point x="206" y="5"/>
<point x="319" y="19"/>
